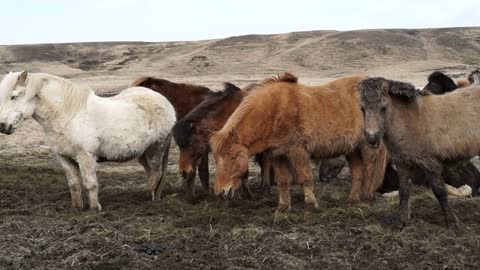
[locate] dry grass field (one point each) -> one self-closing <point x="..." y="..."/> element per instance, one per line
<point x="39" y="230"/>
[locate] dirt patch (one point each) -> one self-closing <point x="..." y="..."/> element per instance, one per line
<point x="40" y="230"/>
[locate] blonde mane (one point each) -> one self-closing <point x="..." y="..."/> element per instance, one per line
<point x="227" y="134"/>
<point x="74" y="95"/>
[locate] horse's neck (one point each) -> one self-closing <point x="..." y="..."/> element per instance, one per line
<point x="49" y="105"/>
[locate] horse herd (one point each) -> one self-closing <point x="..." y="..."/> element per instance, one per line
<point x="391" y="133"/>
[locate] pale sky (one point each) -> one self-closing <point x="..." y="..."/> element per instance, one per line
<point x="54" y="21"/>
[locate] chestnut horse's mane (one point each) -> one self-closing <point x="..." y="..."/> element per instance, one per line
<point x="220" y="138"/>
<point x="285" y="77"/>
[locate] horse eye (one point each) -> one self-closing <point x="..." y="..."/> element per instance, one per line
<point x="383" y="109"/>
<point x="13" y="97"/>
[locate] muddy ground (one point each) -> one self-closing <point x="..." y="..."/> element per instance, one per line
<point x="39" y="230"/>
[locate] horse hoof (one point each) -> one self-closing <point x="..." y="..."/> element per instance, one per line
<point x="452" y="226"/>
<point x="281" y="214"/>
<point x="78" y="206"/>
<point x="97" y="208"/>
<point x="311" y="207"/>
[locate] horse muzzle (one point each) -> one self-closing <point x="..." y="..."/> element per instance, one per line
<point x="373" y="140"/>
<point x="6" y="128"/>
<point x="225" y="193"/>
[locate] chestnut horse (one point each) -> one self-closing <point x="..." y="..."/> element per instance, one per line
<point x="422" y="132"/>
<point x="192" y="133"/>
<point x="183" y="97"/>
<point x="296" y="122"/>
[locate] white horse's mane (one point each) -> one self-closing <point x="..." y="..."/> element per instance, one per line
<point x="74" y="95"/>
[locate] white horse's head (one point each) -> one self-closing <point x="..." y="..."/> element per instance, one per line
<point x="15" y="104"/>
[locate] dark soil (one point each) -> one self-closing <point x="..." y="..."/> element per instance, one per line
<point x="39" y="230"/>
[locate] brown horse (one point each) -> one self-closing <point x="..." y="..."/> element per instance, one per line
<point x="183" y="97"/>
<point x="192" y="133"/>
<point x="422" y="132"/>
<point x="455" y="174"/>
<point x="296" y="122"/>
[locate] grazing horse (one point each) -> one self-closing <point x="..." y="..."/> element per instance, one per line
<point x="192" y="133"/>
<point x="184" y="97"/>
<point x="83" y="129"/>
<point x="421" y="132"/>
<point x="296" y="122"/>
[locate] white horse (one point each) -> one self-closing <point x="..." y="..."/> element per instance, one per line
<point x="83" y="129"/>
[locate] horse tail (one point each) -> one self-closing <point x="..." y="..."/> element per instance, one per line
<point x="375" y="162"/>
<point x="140" y="81"/>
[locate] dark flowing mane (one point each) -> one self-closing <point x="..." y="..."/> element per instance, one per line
<point x="285" y="77"/>
<point x="182" y="131"/>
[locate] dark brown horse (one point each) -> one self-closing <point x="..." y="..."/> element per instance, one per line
<point x="192" y="133"/>
<point x="184" y="97"/>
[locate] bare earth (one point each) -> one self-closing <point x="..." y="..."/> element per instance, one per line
<point x="39" y="230"/>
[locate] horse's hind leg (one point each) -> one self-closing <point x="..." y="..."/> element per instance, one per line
<point x="203" y="173"/>
<point x="300" y="164"/>
<point x="283" y="179"/>
<point x="144" y="161"/>
<point x="438" y="189"/>
<point x="74" y="180"/>
<point x="157" y="156"/>
<point x="88" y="165"/>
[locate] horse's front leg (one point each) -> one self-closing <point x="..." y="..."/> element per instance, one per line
<point x="204" y="174"/>
<point x="356" y="170"/>
<point x="244" y="189"/>
<point x="265" y="160"/>
<point x="405" y="188"/>
<point x="88" y="166"/>
<point x="438" y="189"/>
<point x="74" y="180"/>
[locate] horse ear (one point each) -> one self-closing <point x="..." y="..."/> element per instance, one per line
<point x="22" y="78"/>
<point x="402" y="89"/>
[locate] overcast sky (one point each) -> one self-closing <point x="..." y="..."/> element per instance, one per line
<point x="52" y="21"/>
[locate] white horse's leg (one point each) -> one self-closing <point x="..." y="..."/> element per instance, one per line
<point x="144" y="161"/>
<point x="88" y="166"/>
<point x="157" y="156"/>
<point x="74" y="180"/>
